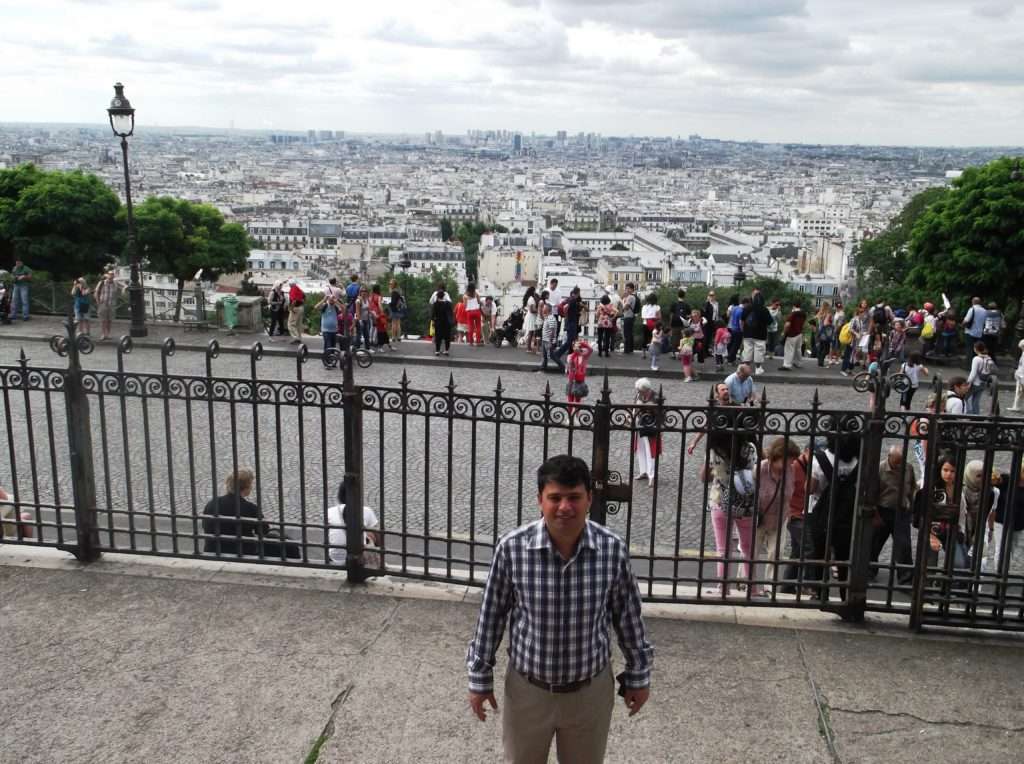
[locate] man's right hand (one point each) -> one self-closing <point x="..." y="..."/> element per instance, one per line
<point x="477" y="701"/>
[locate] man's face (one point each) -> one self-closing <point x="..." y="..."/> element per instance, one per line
<point x="564" y="508"/>
<point x="962" y="389"/>
<point x="722" y="390"/>
<point x="743" y="371"/>
<point x="109" y="275"/>
<point x="711" y="296"/>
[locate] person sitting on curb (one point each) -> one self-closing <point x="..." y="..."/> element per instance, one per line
<point x="233" y="525"/>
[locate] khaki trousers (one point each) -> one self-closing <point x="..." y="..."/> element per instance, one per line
<point x="295" y="316"/>
<point x="578" y="721"/>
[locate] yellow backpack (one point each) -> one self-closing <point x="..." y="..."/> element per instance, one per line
<point x="928" y="330"/>
<point x="846" y="334"/>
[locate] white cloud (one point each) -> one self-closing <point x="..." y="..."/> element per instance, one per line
<point x="790" y="70"/>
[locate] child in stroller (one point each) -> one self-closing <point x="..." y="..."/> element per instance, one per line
<point x="509" y="330"/>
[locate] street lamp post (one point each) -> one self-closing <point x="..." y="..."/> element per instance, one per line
<point x="122" y="122"/>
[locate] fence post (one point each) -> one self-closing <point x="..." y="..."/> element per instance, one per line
<point x="599" y="457"/>
<point x="867" y="499"/>
<point x="83" y="475"/>
<point x="352" y="405"/>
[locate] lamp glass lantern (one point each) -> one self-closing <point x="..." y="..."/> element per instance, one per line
<point x="121" y="113"/>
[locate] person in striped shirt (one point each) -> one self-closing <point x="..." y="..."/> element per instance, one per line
<point x="559" y="582"/>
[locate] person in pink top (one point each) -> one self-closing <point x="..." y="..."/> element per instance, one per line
<point x="576" y="372"/>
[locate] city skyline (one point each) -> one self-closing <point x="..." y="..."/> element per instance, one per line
<point x="779" y="71"/>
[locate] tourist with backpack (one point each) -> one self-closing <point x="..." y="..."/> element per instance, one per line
<point x="834" y="474"/>
<point x="974" y="324"/>
<point x="956" y="398"/>
<point x="928" y="326"/>
<point x="983" y="370"/>
<point x="993" y="328"/>
<point x="569" y="311"/>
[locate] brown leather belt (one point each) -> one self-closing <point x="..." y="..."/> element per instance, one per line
<point x="556" y="688"/>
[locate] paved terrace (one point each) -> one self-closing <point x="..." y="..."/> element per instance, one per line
<point x="136" y="659"/>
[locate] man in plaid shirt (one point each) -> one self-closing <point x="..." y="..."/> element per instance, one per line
<point x="561" y="581"/>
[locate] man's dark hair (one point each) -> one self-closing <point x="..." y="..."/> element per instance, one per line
<point x="681" y="293"/>
<point x="354" y="277"/>
<point x="565" y="470"/>
<point x="847" y="447"/>
<point x="956" y="381"/>
<point x="332" y="281"/>
<point x="630" y="285"/>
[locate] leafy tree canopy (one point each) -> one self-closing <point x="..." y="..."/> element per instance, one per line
<point x="970" y="241"/>
<point x="180" y="237"/>
<point x="63" y="223"/>
<point x="882" y="262"/>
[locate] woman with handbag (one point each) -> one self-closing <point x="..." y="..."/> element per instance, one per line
<point x="776" y="482"/>
<point x="732" y="462"/>
<point x="647" y="438"/>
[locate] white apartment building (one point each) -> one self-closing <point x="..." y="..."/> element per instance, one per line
<point x="279" y="234"/>
<point x="597" y="241"/>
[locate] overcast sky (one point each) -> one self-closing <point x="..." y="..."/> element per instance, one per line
<point x="841" y="71"/>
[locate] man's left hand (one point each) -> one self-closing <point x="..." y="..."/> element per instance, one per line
<point x="635" y="699"/>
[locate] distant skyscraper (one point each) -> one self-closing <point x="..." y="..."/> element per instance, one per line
<point x="517" y="143"/>
<point x="561" y="138"/>
<point x="311" y="136"/>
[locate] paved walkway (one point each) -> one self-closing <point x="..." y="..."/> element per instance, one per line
<point x="42" y="328"/>
<point x="137" y="659"/>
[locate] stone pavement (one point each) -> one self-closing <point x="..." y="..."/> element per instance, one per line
<point x="41" y="328"/>
<point x="160" y="660"/>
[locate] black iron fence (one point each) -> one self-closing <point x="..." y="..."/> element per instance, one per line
<point x="845" y="511"/>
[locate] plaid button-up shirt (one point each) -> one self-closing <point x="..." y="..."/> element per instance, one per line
<point x="560" y="611"/>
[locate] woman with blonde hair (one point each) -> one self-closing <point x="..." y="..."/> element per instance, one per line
<point x="233" y="525"/>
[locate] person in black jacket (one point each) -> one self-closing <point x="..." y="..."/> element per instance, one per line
<point x="679" y="319"/>
<point x="755" y="320"/>
<point x="233" y="525"/>
<point x="1007" y="519"/>
<point x="443" y="318"/>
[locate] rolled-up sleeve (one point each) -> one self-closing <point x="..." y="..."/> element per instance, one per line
<point x="629" y="627"/>
<point x="490" y="625"/>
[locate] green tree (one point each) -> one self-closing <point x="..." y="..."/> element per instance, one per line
<point x="181" y="238"/>
<point x="882" y="262"/>
<point x="447" y="231"/>
<point x="417" y="291"/>
<point x="63" y="223"/>
<point x="469" y="234"/>
<point x="970" y="241"/>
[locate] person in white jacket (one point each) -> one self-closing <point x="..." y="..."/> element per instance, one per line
<point x="1018" y="376"/>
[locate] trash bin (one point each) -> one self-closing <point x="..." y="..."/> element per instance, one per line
<point x="230" y="312"/>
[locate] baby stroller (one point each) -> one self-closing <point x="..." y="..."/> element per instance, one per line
<point x="5" y="297"/>
<point x="509" y="330"/>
